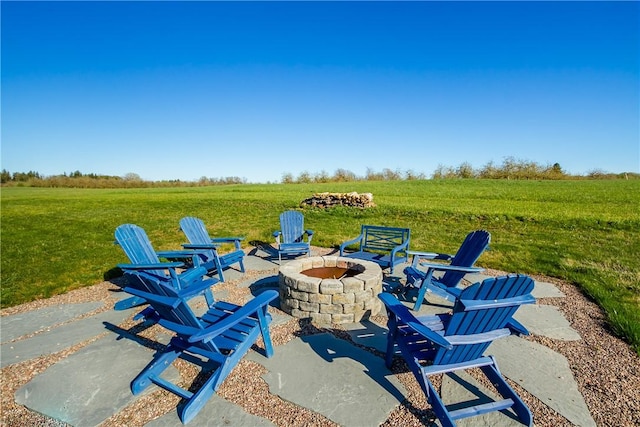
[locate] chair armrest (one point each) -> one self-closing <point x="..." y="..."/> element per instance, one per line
<point x="170" y="301"/>
<point x="159" y="266"/>
<point x="226" y="239"/>
<point x="186" y="293"/>
<point x="221" y="240"/>
<point x="238" y="316"/>
<point x="406" y="317"/>
<point x="399" y="248"/>
<point x="350" y="242"/>
<point x="417" y="256"/>
<point x="192" y="274"/>
<point x="479" y="338"/>
<point x="197" y="288"/>
<point x="506" y="302"/>
<point x="517" y="327"/>
<point x="309" y="232"/>
<point x="445" y="267"/>
<point x="179" y="254"/>
<point x="209" y="246"/>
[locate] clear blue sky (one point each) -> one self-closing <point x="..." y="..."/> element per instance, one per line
<point x="171" y="90"/>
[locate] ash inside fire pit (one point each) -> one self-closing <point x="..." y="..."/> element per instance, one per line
<point x="330" y="272"/>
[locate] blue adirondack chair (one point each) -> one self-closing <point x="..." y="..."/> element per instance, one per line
<point x="196" y="232"/>
<point x="215" y="341"/>
<point x="145" y="261"/>
<point x="449" y="342"/>
<point x="460" y="264"/>
<point x="386" y="246"/>
<point x="290" y="239"/>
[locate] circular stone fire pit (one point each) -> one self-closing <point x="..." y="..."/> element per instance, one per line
<point x="330" y="289"/>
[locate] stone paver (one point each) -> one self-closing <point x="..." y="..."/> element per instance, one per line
<point x="459" y="386"/>
<point x="217" y="412"/>
<point x="546" y="320"/>
<point x="17" y="325"/>
<point x="549" y="378"/>
<point x="334" y="378"/>
<point x="59" y="338"/>
<point x="546" y="290"/>
<point x="369" y="334"/>
<point x="92" y="384"/>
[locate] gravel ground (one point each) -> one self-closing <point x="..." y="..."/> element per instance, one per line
<point x="606" y="369"/>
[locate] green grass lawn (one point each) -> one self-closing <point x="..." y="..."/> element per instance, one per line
<point x="586" y="232"/>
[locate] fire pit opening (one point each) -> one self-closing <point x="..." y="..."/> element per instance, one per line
<point x="331" y="272"/>
<point x="330" y="289"/>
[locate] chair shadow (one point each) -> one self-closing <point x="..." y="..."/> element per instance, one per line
<point x="265" y="284"/>
<point x="480" y="396"/>
<point x="133" y="334"/>
<point x="264" y="250"/>
<point x="374" y="366"/>
<point x="373" y="371"/>
<point x="409" y="295"/>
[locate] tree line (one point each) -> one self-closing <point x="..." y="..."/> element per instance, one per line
<point x="78" y="179"/>
<point x="510" y="168"/>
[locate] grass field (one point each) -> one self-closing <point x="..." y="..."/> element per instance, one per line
<point x="586" y="232"/>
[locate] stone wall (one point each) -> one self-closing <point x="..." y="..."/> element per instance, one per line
<point x="328" y="200"/>
<point x="330" y="301"/>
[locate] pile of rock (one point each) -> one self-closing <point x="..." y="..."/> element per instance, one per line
<point x="328" y="200"/>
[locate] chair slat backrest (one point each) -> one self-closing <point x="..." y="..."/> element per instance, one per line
<point x="171" y="307"/>
<point x="135" y="244"/>
<point x="195" y="230"/>
<point x="383" y="238"/>
<point x="469" y="322"/>
<point x="291" y="226"/>
<point x="473" y="246"/>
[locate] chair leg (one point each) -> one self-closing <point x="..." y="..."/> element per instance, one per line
<point x="438" y="405"/>
<point x="493" y="374"/>
<point x="129" y="303"/>
<point x="191" y="408"/>
<point x="159" y="363"/>
<point x="424" y="284"/>
<point x="264" y="319"/>
<point x="422" y="290"/>
<point x="208" y="296"/>
<point x="391" y="341"/>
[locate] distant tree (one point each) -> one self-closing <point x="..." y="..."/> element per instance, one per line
<point x="465" y="170"/>
<point x="343" y="175"/>
<point x="132" y="177"/>
<point x="287" y="178"/>
<point x="411" y="175"/>
<point x="443" y="172"/>
<point x="373" y="175"/>
<point x="321" y="177"/>
<point x="390" y="175"/>
<point x="488" y="171"/>
<point x="596" y="173"/>
<point x="304" y="178"/>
